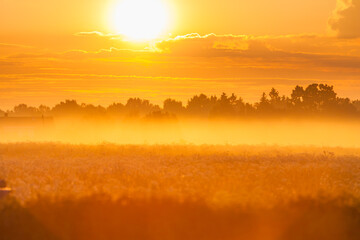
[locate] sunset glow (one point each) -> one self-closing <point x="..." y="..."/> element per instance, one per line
<point x="156" y="49"/>
<point x="179" y="119"/>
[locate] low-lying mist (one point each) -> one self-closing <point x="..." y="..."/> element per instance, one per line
<point x="343" y="133"/>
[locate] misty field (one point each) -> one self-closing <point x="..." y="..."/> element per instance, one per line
<point x="179" y="192"/>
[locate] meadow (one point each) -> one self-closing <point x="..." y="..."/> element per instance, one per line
<point x="109" y="191"/>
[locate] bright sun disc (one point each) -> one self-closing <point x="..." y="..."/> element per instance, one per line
<point x="140" y="19"/>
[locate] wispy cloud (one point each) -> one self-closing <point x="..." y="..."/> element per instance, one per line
<point x="11" y="45"/>
<point x="346" y="19"/>
<point x="182" y="66"/>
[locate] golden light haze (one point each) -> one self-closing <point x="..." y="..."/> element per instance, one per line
<point x="256" y="17"/>
<point x="56" y="50"/>
<point x="179" y="119"/>
<point x="321" y="132"/>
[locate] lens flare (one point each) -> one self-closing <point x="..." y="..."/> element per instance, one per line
<point x="140" y="19"/>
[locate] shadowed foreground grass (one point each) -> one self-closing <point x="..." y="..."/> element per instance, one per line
<point x="95" y="192"/>
<point x="99" y="217"/>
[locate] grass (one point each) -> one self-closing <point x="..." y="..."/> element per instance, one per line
<point x="179" y="192"/>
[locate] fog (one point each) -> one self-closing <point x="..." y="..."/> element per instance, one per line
<point x="344" y="133"/>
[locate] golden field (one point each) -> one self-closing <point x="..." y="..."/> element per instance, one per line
<point x="110" y="191"/>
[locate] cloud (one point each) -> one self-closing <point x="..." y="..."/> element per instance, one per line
<point x="93" y="33"/>
<point x="210" y="45"/>
<point x="11" y="45"/>
<point x="99" y="34"/>
<point x="215" y="45"/>
<point x="211" y="56"/>
<point x="81" y="54"/>
<point x="12" y="48"/>
<point x="180" y="67"/>
<point x="205" y="55"/>
<point x="281" y="51"/>
<point x="346" y="20"/>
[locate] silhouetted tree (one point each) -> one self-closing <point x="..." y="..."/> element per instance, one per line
<point x="314" y="100"/>
<point x="275" y="105"/>
<point x="44" y="110"/>
<point x="25" y="111"/>
<point x="274" y="96"/>
<point x="297" y="96"/>
<point x="67" y="108"/>
<point x="116" y="109"/>
<point x="263" y="106"/>
<point x="173" y="106"/>
<point x="224" y="106"/>
<point x="344" y="106"/>
<point x="279" y="104"/>
<point x="90" y="110"/>
<point x="241" y="108"/>
<point x="136" y="107"/>
<point x="201" y="105"/>
<point x="356" y="104"/>
<point x="320" y="99"/>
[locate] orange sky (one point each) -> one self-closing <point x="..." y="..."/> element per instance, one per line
<point x="56" y="50"/>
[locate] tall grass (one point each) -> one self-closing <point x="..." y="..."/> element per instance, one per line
<point x="179" y="192"/>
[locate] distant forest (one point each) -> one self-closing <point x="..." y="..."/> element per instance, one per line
<point x="316" y="100"/>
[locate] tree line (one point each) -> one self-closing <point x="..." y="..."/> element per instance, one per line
<point x="313" y="100"/>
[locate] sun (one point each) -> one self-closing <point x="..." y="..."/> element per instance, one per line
<point x="140" y="19"/>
